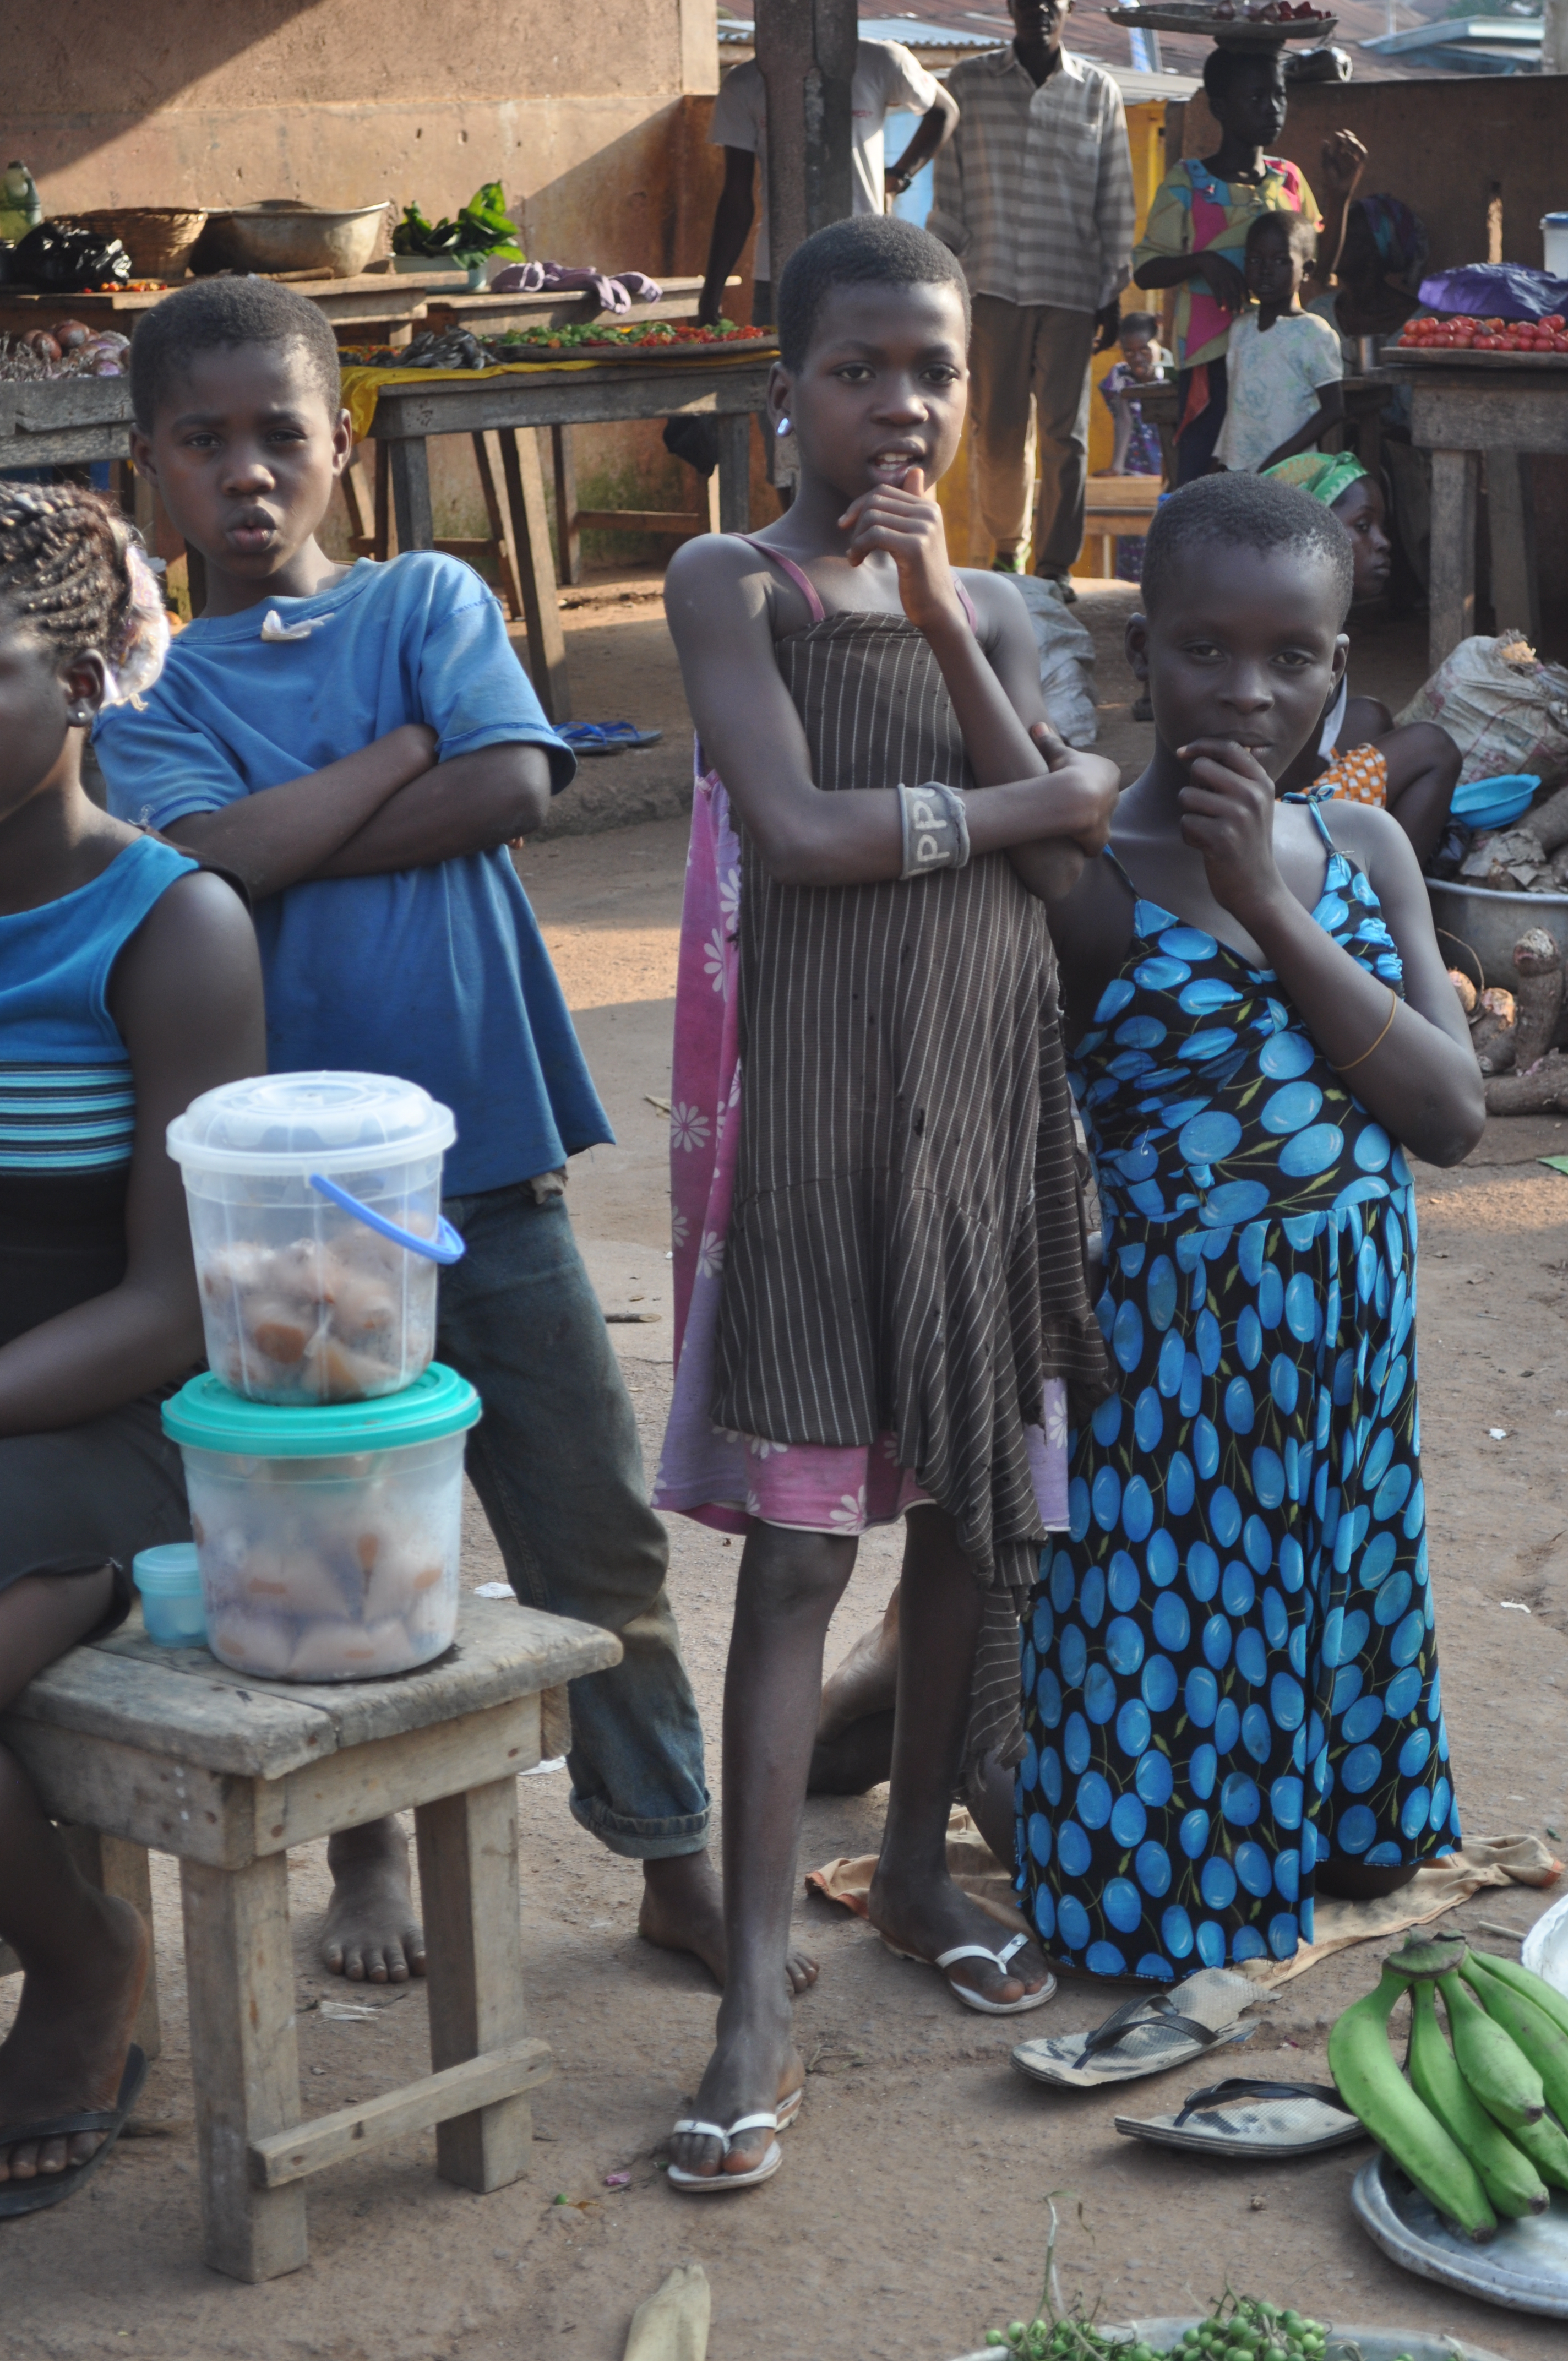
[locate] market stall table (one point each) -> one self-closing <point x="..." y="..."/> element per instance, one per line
<point x="1504" y="406"/>
<point x="514" y="406"/>
<point x="375" y="301"/>
<point x="138" y="1746"/>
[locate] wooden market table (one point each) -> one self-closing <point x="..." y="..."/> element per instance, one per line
<point x="1464" y="407"/>
<point x="375" y="300"/>
<point x="137" y="1746"/>
<point x="515" y="408"/>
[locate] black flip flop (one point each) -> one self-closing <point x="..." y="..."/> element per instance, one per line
<point x="19" y="2197"/>
<point x="1269" y="2121"/>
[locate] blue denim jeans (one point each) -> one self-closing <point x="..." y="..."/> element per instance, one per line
<point x="557" y="1466"/>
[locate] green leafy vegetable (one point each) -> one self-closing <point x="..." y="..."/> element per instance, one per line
<point x="481" y="232"/>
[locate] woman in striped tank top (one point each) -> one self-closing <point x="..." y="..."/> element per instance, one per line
<point x="880" y="1274"/>
<point x="128" y="983"/>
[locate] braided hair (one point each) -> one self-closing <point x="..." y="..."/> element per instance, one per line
<point x="72" y="569"/>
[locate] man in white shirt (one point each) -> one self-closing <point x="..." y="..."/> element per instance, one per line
<point x="1035" y="196"/>
<point x="886" y="78"/>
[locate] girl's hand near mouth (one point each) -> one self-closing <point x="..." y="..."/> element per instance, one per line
<point x="903" y="521"/>
<point x="1227" y="814"/>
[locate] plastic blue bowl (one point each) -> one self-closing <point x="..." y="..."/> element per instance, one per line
<point x="1492" y="803"/>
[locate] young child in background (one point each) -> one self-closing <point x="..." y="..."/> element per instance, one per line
<point x="1284" y="372"/>
<point x="1358" y="754"/>
<point x="1233" y="1693"/>
<point x="360" y="743"/>
<point x="1137" y="450"/>
<point x="880" y="1272"/>
<point x="128" y="984"/>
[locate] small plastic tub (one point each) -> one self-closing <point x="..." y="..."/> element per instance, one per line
<point x="315" y="1216"/>
<point x="1554" y="241"/>
<point x="328" y="1539"/>
<point x="170" y="1581"/>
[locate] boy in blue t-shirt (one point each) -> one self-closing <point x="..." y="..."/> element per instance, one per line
<point x="359" y="744"/>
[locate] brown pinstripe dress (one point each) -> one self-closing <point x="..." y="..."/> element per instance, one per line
<point x="905" y="1251"/>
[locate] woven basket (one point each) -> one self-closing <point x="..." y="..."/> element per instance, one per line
<point x="158" y="238"/>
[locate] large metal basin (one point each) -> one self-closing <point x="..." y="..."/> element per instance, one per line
<point x="1344" y="2344"/>
<point x="280" y="233"/>
<point x="1492" y="923"/>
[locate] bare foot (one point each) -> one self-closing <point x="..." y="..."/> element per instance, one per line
<point x="865" y="1682"/>
<point x="370" y="1933"/>
<point x="683" y="1910"/>
<point x="66" y="2052"/>
<point x="756" y="2066"/>
<point x="937" y="1915"/>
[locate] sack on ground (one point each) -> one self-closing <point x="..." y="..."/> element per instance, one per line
<point x="1505" y="709"/>
<point x="1067" y="661"/>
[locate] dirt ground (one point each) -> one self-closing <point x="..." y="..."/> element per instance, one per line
<point x="910" y="2213"/>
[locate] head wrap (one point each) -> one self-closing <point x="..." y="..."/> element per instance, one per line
<point x="1322" y="475"/>
<point x="1401" y="240"/>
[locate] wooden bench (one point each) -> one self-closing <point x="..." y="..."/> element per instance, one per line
<point x="1115" y="505"/>
<point x="138" y="1746"/>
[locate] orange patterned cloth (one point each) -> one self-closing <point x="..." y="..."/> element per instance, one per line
<point x="1359" y="777"/>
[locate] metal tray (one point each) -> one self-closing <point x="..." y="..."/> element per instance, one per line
<point x="1394" y="355"/>
<point x="1524" y="2268"/>
<point x="1344" y="2344"/>
<point x="1198" y="19"/>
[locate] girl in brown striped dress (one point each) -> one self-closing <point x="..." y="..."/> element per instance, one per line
<point x="884" y="1295"/>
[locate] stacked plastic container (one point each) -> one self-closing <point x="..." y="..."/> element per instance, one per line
<point x="323" y="1449"/>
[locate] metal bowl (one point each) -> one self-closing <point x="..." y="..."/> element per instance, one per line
<point x="1492" y="923"/>
<point x="282" y="234"/>
<point x="1344" y="2344"/>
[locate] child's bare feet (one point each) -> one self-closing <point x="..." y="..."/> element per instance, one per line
<point x="935" y="1915"/>
<point x="755" y="2066"/>
<point x="370" y="1933"/>
<point x="683" y="1910"/>
<point x="865" y="1681"/>
<point x="66" y="2052"/>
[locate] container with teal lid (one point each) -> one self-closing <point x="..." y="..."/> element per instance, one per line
<point x="327" y="1537"/>
<point x="315" y="1215"/>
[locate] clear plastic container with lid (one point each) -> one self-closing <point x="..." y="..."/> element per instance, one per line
<point x="328" y="1539"/>
<point x="315" y="1215"/>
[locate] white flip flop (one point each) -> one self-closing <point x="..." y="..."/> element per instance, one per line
<point x="715" y="2184"/>
<point x="998" y="1959"/>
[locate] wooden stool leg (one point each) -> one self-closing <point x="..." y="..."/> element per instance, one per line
<point x="1455" y="480"/>
<point x="531" y="533"/>
<point x="115" y="1866"/>
<point x="735" y="471"/>
<point x="468" y="1892"/>
<point x="244" y="2060"/>
<point x="567" y="532"/>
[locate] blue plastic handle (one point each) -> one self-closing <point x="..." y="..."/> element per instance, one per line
<point x="445" y="1246"/>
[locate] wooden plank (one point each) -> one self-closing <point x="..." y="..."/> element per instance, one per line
<point x="44" y="408"/>
<point x="1455" y="480"/>
<point x="550" y="397"/>
<point x="680" y="522"/>
<point x="1490" y="417"/>
<point x="310" y="2147"/>
<point x="410" y="495"/>
<point x="1510" y="514"/>
<point x="387" y="1775"/>
<point x="72" y="447"/>
<point x="468" y="1892"/>
<point x="486" y="457"/>
<point x="149" y="1799"/>
<point x="239" y="1977"/>
<point x="530" y="532"/>
<point x="734" y="472"/>
<point x="115" y="1867"/>
<point x="182" y="1709"/>
<point x="568" y="534"/>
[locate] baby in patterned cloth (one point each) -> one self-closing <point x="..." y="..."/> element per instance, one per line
<point x="1232" y="1695"/>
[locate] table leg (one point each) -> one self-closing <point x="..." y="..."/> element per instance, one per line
<point x="468" y="1892"/>
<point x="1515" y="590"/>
<point x="530" y="532"/>
<point x="1456" y="482"/>
<point x="568" y="536"/>
<point x="383" y="548"/>
<point x="501" y="525"/>
<point x="410" y="464"/>
<point x="115" y="1866"/>
<point x="735" y="471"/>
<point x="239" y="1977"/>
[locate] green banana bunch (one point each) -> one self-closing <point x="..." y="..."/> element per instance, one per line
<point x="1543" y="2041"/>
<point x="1510" y="2179"/>
<point x="1367" y="2076"/>
<point x="1490" y="2060"/>
<point x="1545" y="1997"/>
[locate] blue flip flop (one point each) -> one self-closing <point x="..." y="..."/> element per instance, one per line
<point x="607" y="737"/>
<point x="53" y="2188"/>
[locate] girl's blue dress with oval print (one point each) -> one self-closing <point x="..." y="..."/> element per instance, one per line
<point x="1230" y="1673"/>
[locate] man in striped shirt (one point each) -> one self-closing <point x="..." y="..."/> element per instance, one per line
<point x="1035" y="195"/>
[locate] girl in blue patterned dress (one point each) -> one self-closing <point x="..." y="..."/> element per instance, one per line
<point x="1230" y="1671"/>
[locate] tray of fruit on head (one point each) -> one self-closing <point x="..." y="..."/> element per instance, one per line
<point x="1235" y="24"/>
<point x="589" y="340"/>
<point x="1449" y="336"/>
<point x="1472" y="2187"/>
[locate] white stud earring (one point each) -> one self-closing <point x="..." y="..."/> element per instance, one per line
<point x="783" y="428"/>
<point x="80" y="714"/>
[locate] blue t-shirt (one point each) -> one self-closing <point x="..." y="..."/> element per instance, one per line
<point x="438" y="974"/>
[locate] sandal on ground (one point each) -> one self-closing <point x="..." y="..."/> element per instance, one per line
<point x="607" y="737"/>
<point x="52" y="2188"/>
<point x="703" y="2184"/>
<point x="1147" y="2035"/>
<point x="998" y="1959"/>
